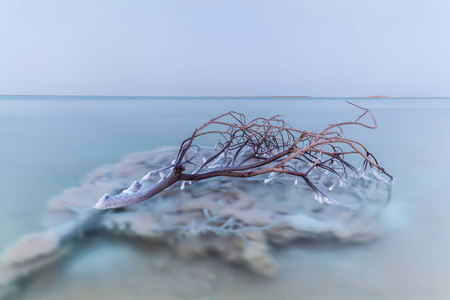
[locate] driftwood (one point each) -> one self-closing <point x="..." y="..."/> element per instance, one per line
<point x="258" y="147"/>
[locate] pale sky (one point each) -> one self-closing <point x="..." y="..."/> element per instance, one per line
<point x="225" y="47"/>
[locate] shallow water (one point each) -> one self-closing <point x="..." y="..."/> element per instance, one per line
<point x="49" y="143"/>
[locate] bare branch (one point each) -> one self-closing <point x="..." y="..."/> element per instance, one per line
<point x="258" y="147"/>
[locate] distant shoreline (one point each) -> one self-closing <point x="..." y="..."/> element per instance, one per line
<point x="135" y="96"/>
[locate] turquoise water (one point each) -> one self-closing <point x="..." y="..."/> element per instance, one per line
<point x="49" y="143"/>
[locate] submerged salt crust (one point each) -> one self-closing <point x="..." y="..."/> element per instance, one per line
<point x="234" y="219"/>
<point x="405" y="262"/>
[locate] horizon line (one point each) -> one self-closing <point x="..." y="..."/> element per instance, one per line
<point x="222" y="96"/>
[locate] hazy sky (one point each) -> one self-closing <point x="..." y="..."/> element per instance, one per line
<point x="225" y="47"/>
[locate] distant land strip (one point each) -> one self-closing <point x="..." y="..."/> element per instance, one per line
<point x="137" y="96"/>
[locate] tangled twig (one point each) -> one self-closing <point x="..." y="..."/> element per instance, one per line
<point x="260" y="146"/>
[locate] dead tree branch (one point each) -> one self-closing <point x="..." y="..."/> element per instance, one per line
<point x="260" y="146"/>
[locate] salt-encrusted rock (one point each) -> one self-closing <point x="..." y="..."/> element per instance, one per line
<point x="236" y="219"/>
<point x="26" y="248"/>
<point x="280" y="212"/>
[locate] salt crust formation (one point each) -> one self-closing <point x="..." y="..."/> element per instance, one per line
<point x="236" y="220"/>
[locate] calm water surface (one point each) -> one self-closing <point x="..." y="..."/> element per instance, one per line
<point x="48" y="144"/>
